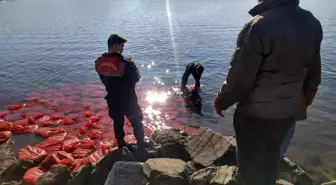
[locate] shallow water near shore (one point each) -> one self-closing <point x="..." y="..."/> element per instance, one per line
<point x="52" y="44"/>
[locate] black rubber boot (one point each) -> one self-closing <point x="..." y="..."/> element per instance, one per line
<point x="121" y="143"/>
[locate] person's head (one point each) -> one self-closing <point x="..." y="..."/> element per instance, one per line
<point x="199" y="70"/>
<point x="116" y="43"/>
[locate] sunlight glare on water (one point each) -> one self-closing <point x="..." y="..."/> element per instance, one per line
<point x="153" y="97"/>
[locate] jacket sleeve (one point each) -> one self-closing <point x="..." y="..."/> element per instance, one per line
<point x="313" y="77"/>
<point x="245" y="64"/>
<point x="132" y="74"/>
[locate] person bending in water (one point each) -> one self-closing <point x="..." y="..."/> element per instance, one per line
<point x="120" y="75"/>
<point x="196" y="69"/>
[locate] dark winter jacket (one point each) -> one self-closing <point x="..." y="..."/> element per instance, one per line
<point x="119" y="77"/>
<point x="277" y="60"/>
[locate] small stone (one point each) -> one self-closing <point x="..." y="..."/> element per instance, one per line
<point x="203" y="176"/>
<point x="103" y="167"/>
<point x="165" y="171"/>
<point x="291" y="172"/>
<point x="283" y="182"/>
<point x="126" y="173"/>
<point x="173" y="144"/>
<point x="11" y="183"/>
<point x="81" y="176"/>
<point x="287" y="165"/>
<point x="330" y="183"/>
<point x="222" y="175"/>
<point x="210" y="147"/>
<point x="58" y="174"/>
<point x="190" y="168"/>
<point x="16" y="171"/>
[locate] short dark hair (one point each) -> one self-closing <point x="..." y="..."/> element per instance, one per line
<point x="115" y="39"/>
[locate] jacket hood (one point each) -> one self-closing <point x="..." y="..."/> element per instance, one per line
<point x="269" y="4"/>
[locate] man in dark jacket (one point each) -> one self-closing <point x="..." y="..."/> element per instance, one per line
<point x="119" y="75"/>
<point x="196" y="69"/>
<point x="277" y="59"/>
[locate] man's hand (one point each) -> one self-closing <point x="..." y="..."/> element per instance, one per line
<point x="219" y="112"/>
<point x="130" y="59"/>
<point x="195" y="88"/>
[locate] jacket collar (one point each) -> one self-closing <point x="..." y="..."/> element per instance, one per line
<point x="112" y="54"/>
<point x="269" y="4"/>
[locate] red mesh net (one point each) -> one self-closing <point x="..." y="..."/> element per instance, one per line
<point x="75" y="123"/>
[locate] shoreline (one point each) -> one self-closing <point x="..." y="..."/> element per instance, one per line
<point x="179" y="147"/>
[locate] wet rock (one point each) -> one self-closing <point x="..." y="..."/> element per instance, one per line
<point x="330" y="183"/>
<point x="190" y="168"/>
<point x="291" y="172"/>
<point x="11" y="183"/>
<point x="165" y="171"/>
<point x="229" y="157"/>
<point x="81" y="176"/>
<point x="16" y="170"/>
<point x="58" y="174"/>
<point x="126" y="173"/>
<point x="173" y="144"/>
<point x="7" y="157"/>
<point x="210" y="147"/>
<point x="220" y="175"/>
<point x="203" y="176"/>
<point x="103" y="167"/>
<point x="141" y="155"/>
<point x="283" y="182"/>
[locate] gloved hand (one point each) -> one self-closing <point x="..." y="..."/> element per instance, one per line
<point x="219" y="112"/>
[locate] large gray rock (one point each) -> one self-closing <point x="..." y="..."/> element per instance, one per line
<point x="210" y="147"/>
<point x="221" y="175"/>
<point x="7" y="157"/>
<point x="126" y="173"/>
<point x="103" y="167"/>
<point x="165" y="171"/>
<point x="81" y="175"/>
<point x="330" y="183"/>
<point x="58" y="174"/>
<point x="173" y="144"/>
<point x="291" y="172"/>
<point x="16" y="171"/>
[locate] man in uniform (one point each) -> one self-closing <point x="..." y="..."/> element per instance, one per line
<point x="120" y="75"/>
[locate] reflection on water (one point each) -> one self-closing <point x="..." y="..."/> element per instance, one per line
<point x="193" y="102"/>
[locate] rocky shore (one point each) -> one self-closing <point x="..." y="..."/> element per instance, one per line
<point x="207" y="158"/>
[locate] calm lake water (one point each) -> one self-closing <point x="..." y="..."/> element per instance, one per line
<point x="49" y="43"/>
